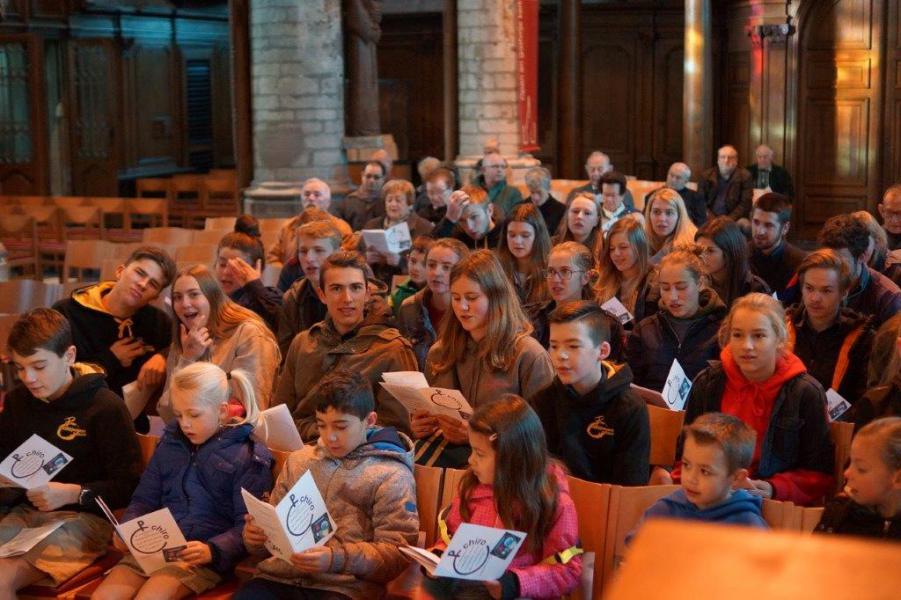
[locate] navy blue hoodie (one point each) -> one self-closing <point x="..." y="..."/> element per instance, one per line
<point x="741" y="508"/>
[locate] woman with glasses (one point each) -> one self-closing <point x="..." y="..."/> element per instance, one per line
<point x="582" y="222"/>
<point x="569" y="274"/>
<point x="724" y="251"/>
<point x="624" y="268"/>
<point x="522" y="249"/>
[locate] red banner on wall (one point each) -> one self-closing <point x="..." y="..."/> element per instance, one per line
<point x="527" y="73"/>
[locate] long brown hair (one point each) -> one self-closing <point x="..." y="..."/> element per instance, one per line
<point x="727" y="236"/>
<point x="506" y="320"/>
<point x="595" y="239"/>
<point x="611" y="281"/>
<point x="225" y="315"/>
<point x="525" y="493"/>
<point x="533" y="288"/>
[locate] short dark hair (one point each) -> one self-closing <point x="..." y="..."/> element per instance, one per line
<point x="157" y="255"/>
<point x="380" y="165"/>
<point x="248" y="224"/>
<point x="250" y="246"/>
<point x="615" y="178"/>
<point x="344" y="259"/>
<point x="728" y="432"/>
<point x="40" y="328"/>
<point x="844" y="231"/>
<point x="772" y="202"/>
<point x="346" y="391"/>
<point x="586" y="311"/>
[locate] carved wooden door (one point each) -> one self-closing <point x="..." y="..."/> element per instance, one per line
<point x="841" y="106"/>
<point x="94" y="98"/>
<point x="23" y="121"/>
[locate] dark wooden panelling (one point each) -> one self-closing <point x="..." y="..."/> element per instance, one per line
<point x="632" y="76"/>
<point x="410" y="58"/>
<point x="840" y="108"/>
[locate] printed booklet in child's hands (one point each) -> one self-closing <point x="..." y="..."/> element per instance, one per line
<point x="412" y="390"/>
<point x="33" y="464"/>
<point x="476" y="552"/>
<point x="299" y="522"/>
<point x="154" y="539"/>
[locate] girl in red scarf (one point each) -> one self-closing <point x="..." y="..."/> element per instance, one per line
<point x="765" y="385"/>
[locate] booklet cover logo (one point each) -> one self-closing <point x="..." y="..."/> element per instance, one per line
<point x="300" y="515"/>
<point x="149" y="539"/>
<point x="26" y="465"/>
<point x="471" y="558"/>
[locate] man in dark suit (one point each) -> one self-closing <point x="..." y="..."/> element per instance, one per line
<point x="766" y="174"/>
<point x="728" y="188"/>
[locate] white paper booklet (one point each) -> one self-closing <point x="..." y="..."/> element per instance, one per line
<point x="394" y="240"/>
<point x="413" y="391"/>
<point x="476" y="552"/>
<point x="27" y="539"/>
<point x="33" y="464"/>
<point x="300" y="521"/>
<point x="616" y="308"/>
<point x="836" y="405"/>
<point x="154" y="539"/>
<point x="277" y="429"/>
<point x="135" y="398"/>
<point x="676" y="388"/>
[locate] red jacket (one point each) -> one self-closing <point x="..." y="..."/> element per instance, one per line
<point x="536" y="579"/>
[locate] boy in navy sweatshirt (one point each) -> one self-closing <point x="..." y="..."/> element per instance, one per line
<point x="70" y="406"/>
<point x="715" y="460"/>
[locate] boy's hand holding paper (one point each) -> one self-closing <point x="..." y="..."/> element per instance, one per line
<point x="33" y="464"/>
<point x="300" y="521"/>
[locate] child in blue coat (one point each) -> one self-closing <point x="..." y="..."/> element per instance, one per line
<point x="197" y="472"/>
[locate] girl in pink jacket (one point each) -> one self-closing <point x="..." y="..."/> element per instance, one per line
<point x="512" y="484"/>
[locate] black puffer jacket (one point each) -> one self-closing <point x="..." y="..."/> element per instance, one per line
<point x="846" y="517"/>
<point x="653" y="344"/>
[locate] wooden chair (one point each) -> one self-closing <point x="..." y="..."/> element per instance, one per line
<point x="116" y="225"/>
<point x="666" y="426"/>
<point x="781" y="514"/>
<point x="210" y="236"/>
<point x="592" y="502"/>
<point x="29" y="200"/>
<point x="186" y="199"/>
<point x="452" y="479"/>
<point x="177" y="236"/>
<point x="82" y="222"/>
<point x="560" y="188"/>
<point x="148" y="445"/>
<point x="19" y="235"/>
<point x="147" y="212"/>
<point x="6" y="323"/>
<point x="226" y="223"/>
<point x="841" y="433"/>
<point x="204" y="254"/>
<point x="68" y="201"/>
<point x="627" y="505"/>
<point x="51" y="245"/>
<point x="428" y="495"/>
<point x="21" y="295"/>
<point x="281" y="457"/>
<point x="220" y="196"/>
<point x="83" y="255"/>
<point x="152" y="187"/>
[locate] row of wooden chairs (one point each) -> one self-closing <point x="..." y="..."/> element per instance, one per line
<point x="191" y="198"/>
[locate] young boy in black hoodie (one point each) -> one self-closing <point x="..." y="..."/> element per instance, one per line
<point x="70" y="407"/>
<point x="593" y="421"/>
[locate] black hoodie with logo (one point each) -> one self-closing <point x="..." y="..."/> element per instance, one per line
<point x="603" y="436"/>
<point x="88" y="422"/>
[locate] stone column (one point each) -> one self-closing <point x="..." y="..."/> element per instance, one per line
<point x="297" y="70"/>
<point x="697" y="102"/>
<point x="486" y="42"/>
<point x="451" y="93"/>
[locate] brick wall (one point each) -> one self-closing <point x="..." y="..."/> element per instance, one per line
<point x="297" y="71"/>
<point x="487" y="66"/>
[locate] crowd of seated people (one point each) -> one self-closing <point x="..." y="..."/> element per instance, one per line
<point x="514" y="312"/>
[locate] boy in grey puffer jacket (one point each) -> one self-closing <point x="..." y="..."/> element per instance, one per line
<point x="365" y="476"/>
